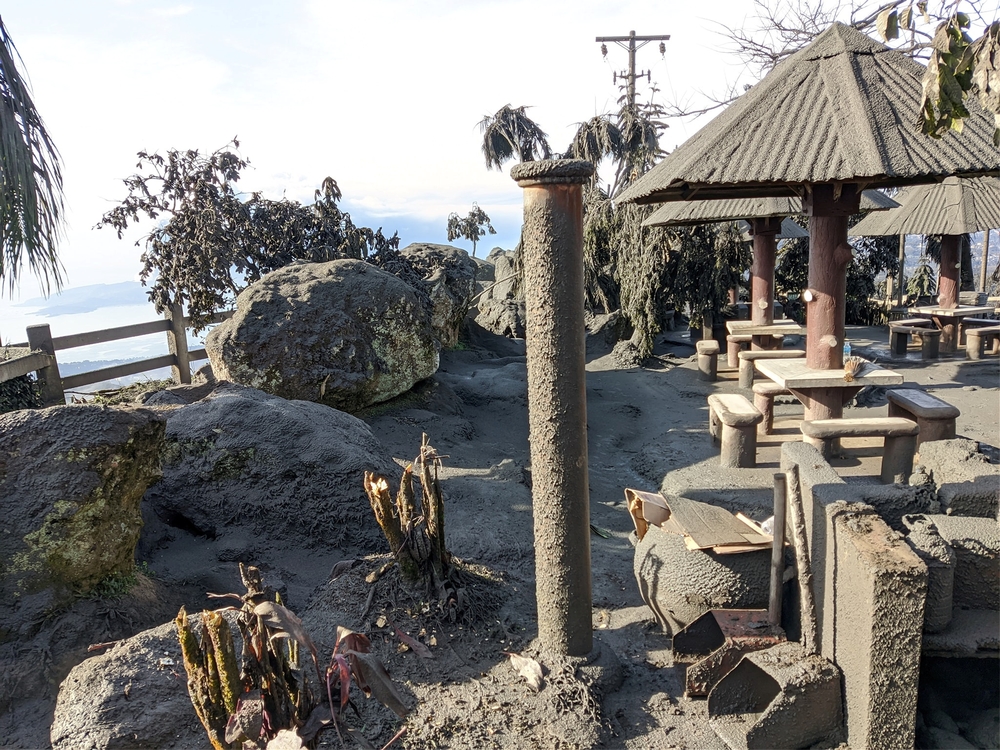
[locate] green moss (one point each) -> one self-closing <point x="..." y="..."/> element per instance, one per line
<point x="231" y="465"/>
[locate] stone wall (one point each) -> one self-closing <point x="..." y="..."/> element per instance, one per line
<point x="870" y="589"/>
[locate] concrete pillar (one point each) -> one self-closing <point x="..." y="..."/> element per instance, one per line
<point x="949" y="278"/>
<point x="828" y="208"/>
<point x="765" y="248"/>
<point x="552" y="241"/>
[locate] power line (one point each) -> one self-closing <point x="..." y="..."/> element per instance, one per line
<point x="632" y="43"/>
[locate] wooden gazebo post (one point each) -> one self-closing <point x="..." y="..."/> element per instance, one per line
<point x="765" y="249"/>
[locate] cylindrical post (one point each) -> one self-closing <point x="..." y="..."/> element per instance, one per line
<point x="49" y="379"/>
<point x="900" y="270"/>
<point x="986" y="260"/>
<point x="948" y="282"/>
<point x="552" y="242"/>
<point x="177" y="344"/>
<point x="765" y="248"/>
<point x="829" y="254"/>
<point x="777" y="551"/>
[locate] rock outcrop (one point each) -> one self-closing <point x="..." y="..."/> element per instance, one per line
<point x="343" y="333"/>
<point x="449" y="279"/>
<point x="268" y="472"/>
<point x="499" y="310"/>
<point x="71" y="480"/>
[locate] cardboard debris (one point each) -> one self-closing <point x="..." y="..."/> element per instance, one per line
<point x="703" y="526"/>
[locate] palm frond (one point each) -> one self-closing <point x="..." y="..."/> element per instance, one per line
<point x="31" y="205"/>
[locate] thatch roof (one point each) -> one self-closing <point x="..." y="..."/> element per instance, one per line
<point x="956" y="206"/>
<point x="843" y="109"/>
<point x="789" y="230"/>
<point x="700" y="212"/>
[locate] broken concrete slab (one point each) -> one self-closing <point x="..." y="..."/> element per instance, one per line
<point x="967" y="483"/>
<point x="941" y="560"/>
<point x="778" y="697"/>
<point x="977" y="544"/>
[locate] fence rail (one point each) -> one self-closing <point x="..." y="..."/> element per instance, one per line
<point x="39" y="354"/>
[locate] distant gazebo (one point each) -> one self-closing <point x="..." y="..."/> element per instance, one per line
<point x="768" y="222"/>
<point x="835" y="118"/>
<point x="955" y="207"/>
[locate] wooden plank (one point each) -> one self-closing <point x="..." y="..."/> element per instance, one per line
<point x="24" y="364"/>
<point x="707" y="525"/>
<point x="109" y="334"/>
<point x="197" y="354"/>
<point x="119" y="371"/>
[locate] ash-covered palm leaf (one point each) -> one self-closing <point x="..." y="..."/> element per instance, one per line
<point x="510" y="134"/>
<point x="31" y="203"/>
<point x="596" y="138"/>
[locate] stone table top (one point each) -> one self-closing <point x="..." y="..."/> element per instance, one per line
<point x="794" y="374"/>
<point x="962" y="311"/>
<point x="777" y="328"/>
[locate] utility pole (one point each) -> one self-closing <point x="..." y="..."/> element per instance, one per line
<point x="629" y="43"/>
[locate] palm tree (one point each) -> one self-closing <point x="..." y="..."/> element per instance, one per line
<point x="31" y="203"/>
<point x="596" y="138"/>
<point x="511" y="133"/>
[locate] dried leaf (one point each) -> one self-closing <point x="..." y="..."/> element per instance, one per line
<point x="319" y="718"/>
<point x="415" y="646"/>
<point x="529" y="669"/>
<point x="349" y="640"/>
<point x="603" y="533"/>
<point x="340" y="667"/>
<point x="286" y="623"/>
<point x="378" y="681"/>
<point x="247" y="722"/>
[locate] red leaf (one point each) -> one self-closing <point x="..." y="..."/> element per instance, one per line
<point x="416" y="646"/>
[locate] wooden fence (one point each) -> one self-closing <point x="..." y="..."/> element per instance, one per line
<point x="38" y="354"/>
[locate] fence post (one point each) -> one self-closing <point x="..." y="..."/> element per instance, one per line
<point x="177" y="342"/>
<point x="49" y="379"/>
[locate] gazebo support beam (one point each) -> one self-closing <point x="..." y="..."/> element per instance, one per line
<point x="950" y="269"/>
<point x="828" y="208"/>
<point x="765" y="248"/>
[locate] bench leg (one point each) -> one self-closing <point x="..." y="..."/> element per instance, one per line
<point x="714" y="426"/>
<point x="897" y="459"/>
<point x="825" y="447"/>
<point x="929" y="346"/>
<point x="708" y="365"/>
<point x="973" y="346"/>
<point x="746" y="373"/>
<point x="739" y="447"/>
<point x="765" y="405"/>
<point x="733" y="353"/>
<point x="899" y="341"/>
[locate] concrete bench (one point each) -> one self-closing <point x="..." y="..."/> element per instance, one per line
<point x="976" y="339"/>
<point x="748" y="358"/>
<point x="763" y="400"/>
<point x="899" y="339"/>
<point x="934" y="417"/>
<point x="708" y="358"/>
<point x="900" y="440"/>
<point x="733" y="420"/>
<point x="735" y="343"/>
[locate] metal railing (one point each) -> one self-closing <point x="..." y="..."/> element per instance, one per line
<point x="39" y="354"/>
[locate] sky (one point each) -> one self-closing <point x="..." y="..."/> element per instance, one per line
<point x="383" y="95"/>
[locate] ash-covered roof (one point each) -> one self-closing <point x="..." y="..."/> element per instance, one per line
<point x="843" y="109"/>
<point x="700" y="212"/>
<point x="789" y="230"/>
<point x="956" y="206"/>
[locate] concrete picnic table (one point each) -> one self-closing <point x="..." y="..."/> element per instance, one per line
<point x="762" y="333"/>
<point x="949" y="319"/>
<point x="823" y="392"/>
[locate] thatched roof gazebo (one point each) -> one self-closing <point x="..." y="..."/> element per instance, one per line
<point x="766" y="217"/>
<point x="952" y="208"/>
<point x="835" y="118"/>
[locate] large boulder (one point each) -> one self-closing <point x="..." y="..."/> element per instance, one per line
<point x="343" y="333"/>
<point x="504" y="317"/>
<point x="449" y="279"/>
<point x="253" y="475"/>
<point x="71" y="480"/>
<point x="132" y="696"/>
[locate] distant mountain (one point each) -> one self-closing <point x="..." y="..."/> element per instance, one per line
<point x="84" y="299"/>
